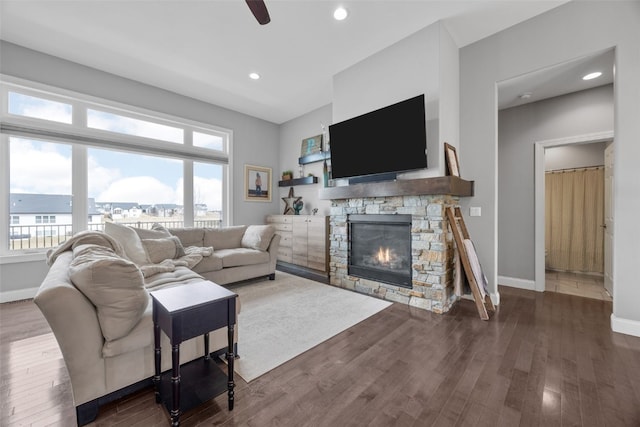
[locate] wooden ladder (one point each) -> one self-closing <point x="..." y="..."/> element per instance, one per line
<point x="460" y="233"/>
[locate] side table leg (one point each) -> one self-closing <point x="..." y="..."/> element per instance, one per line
<point x="156" y="377"/>
<point x="230" y="358"/>
<point x="175" y="384"/>
<point x="207" y="356"/>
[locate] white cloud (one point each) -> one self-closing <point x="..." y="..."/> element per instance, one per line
<point x="205" y="190"/>
<point x="140" y="189"/>
<point x="209" y="191"/>
<point x="100" y="177"/>
<point x="39" y="167"/>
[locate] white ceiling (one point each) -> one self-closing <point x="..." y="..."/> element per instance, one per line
<point x="205" y="49"/>
<point x="559" y="79"/>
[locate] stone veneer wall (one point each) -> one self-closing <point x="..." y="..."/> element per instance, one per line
<point x="432" y="250"/>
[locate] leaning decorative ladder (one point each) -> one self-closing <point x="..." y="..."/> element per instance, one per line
<point x="460" y="233"/>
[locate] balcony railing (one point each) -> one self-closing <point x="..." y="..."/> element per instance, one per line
<point x="26" y="237"/>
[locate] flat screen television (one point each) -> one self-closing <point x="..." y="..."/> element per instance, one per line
<point x="379" y="144"/>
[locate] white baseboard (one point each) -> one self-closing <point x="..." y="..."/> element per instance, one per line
<point x="514" y="282"/>
<point x="625" y="326"/>
<point x="20" y="294"/>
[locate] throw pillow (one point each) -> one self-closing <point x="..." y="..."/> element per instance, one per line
<point x="145" y="233"/>
<point x="225" y="237"/>
<point x="129" y="240"/>
<point x="160" y="249"/>
<point x="188" y="236"/>
<point x="258" y="237"/>
<point x="113" y="284"/>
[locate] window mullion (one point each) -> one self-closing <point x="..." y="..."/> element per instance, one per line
<point x="188" y="197"/>
<point x="79" y="188"/>
<point x="4" y="189"/>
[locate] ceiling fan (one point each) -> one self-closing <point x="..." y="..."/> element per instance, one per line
<point x="259" y="10"/>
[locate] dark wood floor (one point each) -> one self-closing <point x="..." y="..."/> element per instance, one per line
<point x="544" y="359"/>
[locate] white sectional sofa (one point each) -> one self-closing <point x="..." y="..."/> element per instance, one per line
<point x="96" y="298"/>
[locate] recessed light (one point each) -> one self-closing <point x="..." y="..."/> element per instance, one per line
<point x="525" y="95"/>
<point x="340" y="13"/>
<point x="254" y="76"/>
<point x="592" y="75"/>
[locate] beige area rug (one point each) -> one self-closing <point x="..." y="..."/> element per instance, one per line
<point x="283" y="318"/>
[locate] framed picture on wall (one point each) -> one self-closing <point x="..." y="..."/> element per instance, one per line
<point x="257" y="183"/>
<point x="451" y="157"/>
<point x="311" y="145"/>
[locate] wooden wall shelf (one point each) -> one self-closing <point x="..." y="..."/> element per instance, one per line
<point x="449" y="185"/>
<point x="315" y="157"/>
<point x="298" y="181"/>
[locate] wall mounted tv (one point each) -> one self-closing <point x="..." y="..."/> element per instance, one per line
<point x="377" y="145"/>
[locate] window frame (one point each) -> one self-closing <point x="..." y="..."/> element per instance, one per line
<point x="80" y="136"/>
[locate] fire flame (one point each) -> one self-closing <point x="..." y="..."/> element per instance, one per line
<point x="383" y="255"/>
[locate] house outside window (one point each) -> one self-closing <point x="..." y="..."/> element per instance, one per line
<point x="132" y="165"/>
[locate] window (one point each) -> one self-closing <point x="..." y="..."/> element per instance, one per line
<point x="45" y="219"/>
<point x="136" y="187"/>
<point x="39" y="108"/>
<point x="206" y="140"/>
<point x="40" y="177"/>
<point x="130" y="126"/>
<point x="129" y="164"/>
<point x="207" y="194"/>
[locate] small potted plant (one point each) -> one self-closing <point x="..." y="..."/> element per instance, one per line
<point x="287" y="175"/>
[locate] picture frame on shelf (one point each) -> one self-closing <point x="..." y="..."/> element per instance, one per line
<point x="257" y="183"/>
<point x="311" y="145"/>
<point x="451" y="157"/>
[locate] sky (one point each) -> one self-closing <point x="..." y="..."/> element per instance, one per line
<point x="113" y="176"/>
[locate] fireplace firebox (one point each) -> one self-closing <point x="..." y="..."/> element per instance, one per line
<point x="380" y="248"/>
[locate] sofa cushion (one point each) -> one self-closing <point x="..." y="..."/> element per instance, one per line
<point x="258" y="237"/>
<point x="189" y="236"/>
<point x="165" y="248"/>
<point x="113" y="284"/>
<point x="129" y="240"/>
<point x="209" y="263"/>
<point x="241" y="256"/>
<point x="178" y="275"/>
<point x="154" y="233"/>
<point x="224" y="238"/>
<point x="139" y="337"/>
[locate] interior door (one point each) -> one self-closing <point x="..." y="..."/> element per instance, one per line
<point x="608" y="218"/>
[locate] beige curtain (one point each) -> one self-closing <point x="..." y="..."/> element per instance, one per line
<point x="574" y="204"/>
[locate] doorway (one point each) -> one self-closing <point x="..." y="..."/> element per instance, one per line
<point x="573" y="282"/>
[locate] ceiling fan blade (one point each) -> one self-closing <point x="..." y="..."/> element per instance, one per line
<point x="259" y="10"/>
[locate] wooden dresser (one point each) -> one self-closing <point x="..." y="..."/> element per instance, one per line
<point x="304" y="240"/>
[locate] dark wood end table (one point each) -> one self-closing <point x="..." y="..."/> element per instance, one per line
<point x="184" y="312"/>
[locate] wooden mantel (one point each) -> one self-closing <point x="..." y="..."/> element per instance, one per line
<point x="449" y="185"/>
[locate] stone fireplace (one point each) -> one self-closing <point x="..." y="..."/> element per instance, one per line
<point x="432" y="256"/>
<point x="380" y="248"/>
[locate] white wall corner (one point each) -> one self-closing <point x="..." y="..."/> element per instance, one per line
<point x="514" y="282"/>
<point x="625" y="326"/>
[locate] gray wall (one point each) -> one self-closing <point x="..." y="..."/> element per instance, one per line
<point x="425" y="62"/>
<point x="575" y="156"/>
<point x="570" y="31"/>
<point x="291" y="135"/>
<point x="255" y="141"/>
<point x="580" y="113"/>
